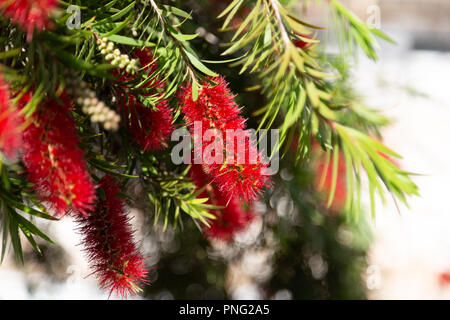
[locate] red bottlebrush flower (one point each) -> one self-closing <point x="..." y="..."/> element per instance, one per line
<point x="53" y="160"/>
<point x="324" y="181"/>
<point x="150" y="65"/>
<point x="149" y="128"/>
<point x="108" y="242"/>
<point x="229" y="220"/>
<point x="29" y="14"/>
<point x="10" y="124"/>
<point x="215" y="109"/>
<point x="244" y="178"/>
<point x="244" y="181"/>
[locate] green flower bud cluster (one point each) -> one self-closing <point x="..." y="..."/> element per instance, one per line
<point x="90" y="104"/>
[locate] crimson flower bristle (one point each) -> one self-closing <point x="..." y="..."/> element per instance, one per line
<point x="108" y="242"/>
<point x="244" y="181"/>
<point x="30" y="15"/>
<point x="231" y="219"/>
<point x="150" y="129"/>
<point x="444" y="278"/>
<point x="55" y="164"/>
<point x="10" y="124"/>
<point x="215" y="108"/>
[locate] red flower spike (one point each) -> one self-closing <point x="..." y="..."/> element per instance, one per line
<point x="243" y="180"/>
<point x="53" y="160"/>
<point x="10" y="124"/>
<point x="215" y="109"/>
<point x="340" y="193"/>
<point x="29" y="14"/>
<point x="153" y="128"/>
<point x="229" y="220"/>
<point x="108" y="242"/>
<point x="149" y="128"/>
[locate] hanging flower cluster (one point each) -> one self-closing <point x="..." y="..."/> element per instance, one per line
<point x="53" y="160"/>
<point x="149" y="128"/>
<point x="10" y="124"/>
<point x="56" y="167"/>
<point x="108" y="242"/>
<point x="215" y="109"/>
<point x="229" y="220"/>
<point x="30" y="15"/>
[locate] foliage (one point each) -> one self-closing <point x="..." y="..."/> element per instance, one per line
<point x="304" y="89"/>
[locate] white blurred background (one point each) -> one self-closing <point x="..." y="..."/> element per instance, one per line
<point x="410" y="83"/>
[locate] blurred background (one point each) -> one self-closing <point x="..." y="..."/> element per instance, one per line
<point x="296" y="249"/>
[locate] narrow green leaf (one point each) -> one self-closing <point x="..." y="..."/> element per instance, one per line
<point x="199" y="65"/>
<point x="22" y="221"/>
<point x="130" y="41"/>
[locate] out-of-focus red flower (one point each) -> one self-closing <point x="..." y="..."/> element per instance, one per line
<point x="30" y="15"/>
<point x="229" y="220"/>
<point x="340" y="194"/>
<point x="54" y="161"/>
<point x="215" y="109"/>
<point x="244" y="181"/>
<point x="324" y="174"/>
<point x="444" y="279"/>
<point x="108" y="242"/>
<point x="150" y="129"/>
<point x="10" y="124"/>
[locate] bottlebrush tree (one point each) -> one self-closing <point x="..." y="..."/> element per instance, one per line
<point x="92" y="91"/>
